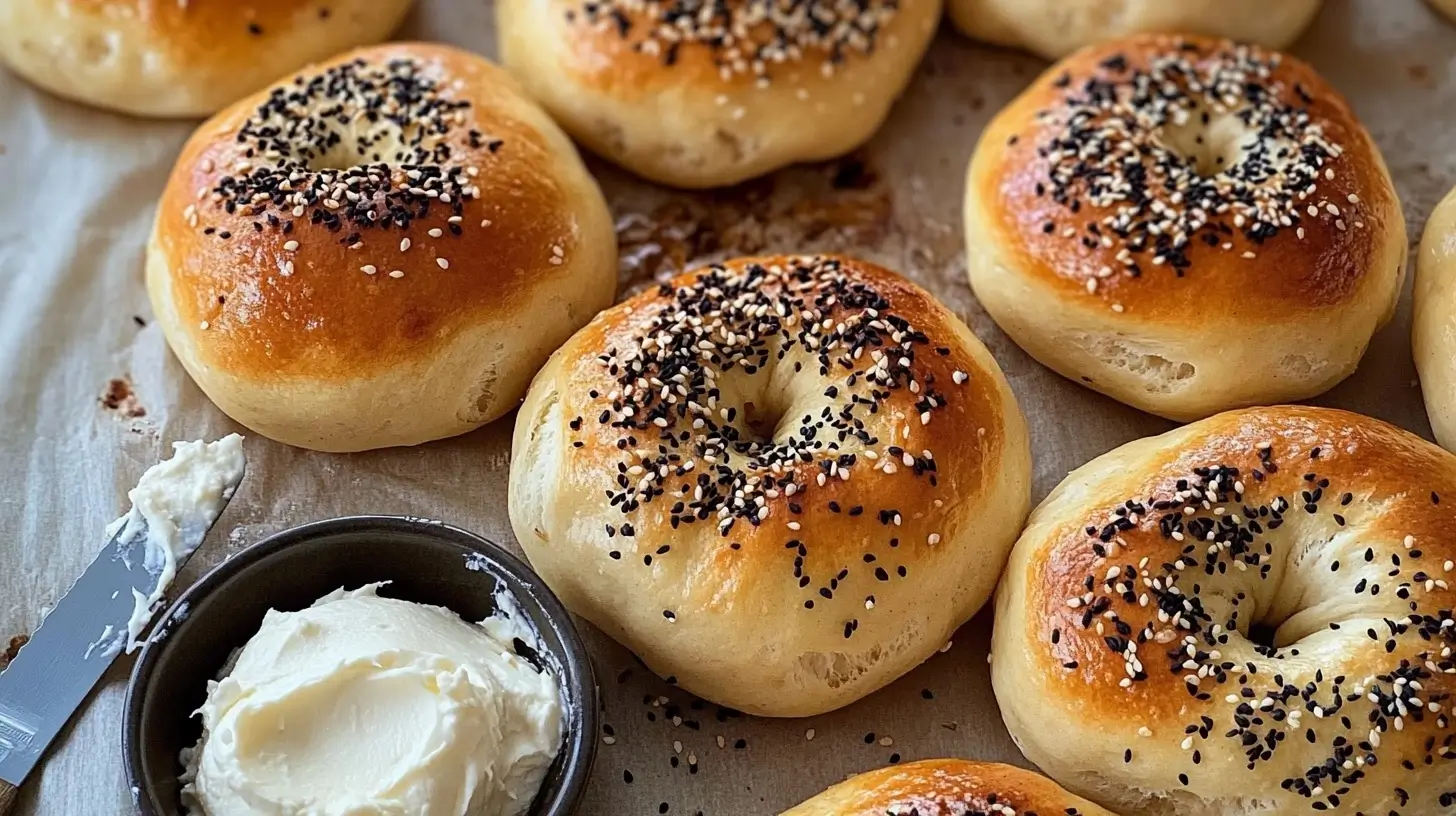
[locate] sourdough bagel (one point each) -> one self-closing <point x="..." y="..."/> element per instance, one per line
<point x="1186" y="225"/>
<point x="1433" y="326"/>
<point x="946" y="787"/>
<point x="705" y="94"/>
<point x="1251" y="614"/>
<point x="782" y="481"/>
<point x="1055" y="28"/>
<point x="180" y="57"/>
<point x="379" y="251"/>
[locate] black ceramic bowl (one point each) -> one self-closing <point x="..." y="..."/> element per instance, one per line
<point x="424" y="561"/>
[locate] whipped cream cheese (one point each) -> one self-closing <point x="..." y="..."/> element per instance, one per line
<point x="174" y="498"/>
<point x="363" y="704"/>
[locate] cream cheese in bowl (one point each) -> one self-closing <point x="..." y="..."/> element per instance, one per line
<point x="364" y="704"/>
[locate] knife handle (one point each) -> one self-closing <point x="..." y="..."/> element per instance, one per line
<point x="9" y="798"/>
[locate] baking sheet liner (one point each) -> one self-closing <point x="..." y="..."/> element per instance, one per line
<point x="90" y="396"/>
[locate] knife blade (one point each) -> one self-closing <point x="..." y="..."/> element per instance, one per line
<point x="173" y="507"/>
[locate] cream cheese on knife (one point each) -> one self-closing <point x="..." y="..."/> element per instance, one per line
<point x="170" y="495"/>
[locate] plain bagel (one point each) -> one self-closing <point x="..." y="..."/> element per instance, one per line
<point x="1186" y="225"/>
<point x="1055" y="28"/>
<point x="710" y="94"/>
<point x="1251" y="614"/>
<point x="946" y="787"/>
<point x="179" y="58"/>
<point x="782" y="481"/>
<point x="379" y="251"/>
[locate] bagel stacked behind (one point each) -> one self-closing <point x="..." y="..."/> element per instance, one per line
<point x="380" y="251"/>
<point x="1250" y="614"/>
<point x="782" y="481"/>
<point x="1185" y="224"/>
<point x="1055" y="28"/>
<point x="1433" y="336"/>
<point x="705" y="93"/>
<point x="946" y="787"/>
<point x="180" y="57"/>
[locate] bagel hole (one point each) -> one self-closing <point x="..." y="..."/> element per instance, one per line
<point x="1262" y="633"/>
<point x="363" y="142"/>
<point x="761" y="420"/>
<point x="1211" y="142"/>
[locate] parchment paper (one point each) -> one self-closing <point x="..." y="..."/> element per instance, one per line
<point x="77" y="190"/>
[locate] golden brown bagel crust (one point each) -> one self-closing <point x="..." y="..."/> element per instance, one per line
<point x="1040" y="266"/>
<point x="187" y="58"/>
<point x="800" y="606"/>
<point x="698" y="112"/>
<point x="270" y="300"/>
<point x="946" y="787"/>
<point x="1353" y="575"/>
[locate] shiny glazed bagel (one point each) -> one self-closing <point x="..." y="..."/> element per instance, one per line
<point x="1251" y="614"/>
<point x="180" y="57"/>
<point x="782" y="481"/>
<point x="1186" y="225"/>
<point x="1433" y="336"/>
<point x="1055" y="28"/>
<point x="380" y="251"/>
<point x="707" y="93"/>
<point x="946" y="787"/>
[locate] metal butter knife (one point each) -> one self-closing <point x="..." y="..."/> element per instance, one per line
<point x="51" y="675"/>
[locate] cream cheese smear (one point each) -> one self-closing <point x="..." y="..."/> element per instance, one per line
<point x="363" y="704"/>
<point x="174" y="496"/>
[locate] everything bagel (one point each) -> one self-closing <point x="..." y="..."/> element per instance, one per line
<point x="782" y="481"/>
<point x="381" y="250"/>
<point x="946" y="787"/>
<point x="1184" y="224"/>
<point x="1251" y="614"/>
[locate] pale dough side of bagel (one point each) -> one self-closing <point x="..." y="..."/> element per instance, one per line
<point x="1433" y="327"/>
<point x="1376" y="547"/>
<point x="1055" y="28"/>
<point x="163" y="58"/>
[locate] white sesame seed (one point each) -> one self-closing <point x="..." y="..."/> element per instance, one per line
<point x="404" y="244"/>
<point x="442" y="263"/>
<point x="436" y="232"/>
<point x="290" y="246"/>
<point x="368" y="269"/>
<point x="396" y="274"/>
